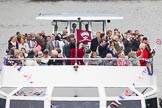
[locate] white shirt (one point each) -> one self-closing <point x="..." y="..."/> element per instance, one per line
<point x="25" y="45"/>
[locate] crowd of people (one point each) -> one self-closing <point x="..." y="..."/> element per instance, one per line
<point x="117" y="49"/>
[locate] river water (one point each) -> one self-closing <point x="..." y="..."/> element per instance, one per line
<point x="146" y="16"/>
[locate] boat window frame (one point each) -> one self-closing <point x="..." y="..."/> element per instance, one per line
<point x="80" y="25"/>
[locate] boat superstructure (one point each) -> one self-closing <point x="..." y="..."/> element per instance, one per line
<point x="93" y="20"/>
<point x="78" y="86"/>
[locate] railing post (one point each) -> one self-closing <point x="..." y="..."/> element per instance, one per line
<point x="102" y="96"/>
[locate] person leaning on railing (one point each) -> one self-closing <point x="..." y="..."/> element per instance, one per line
<point x="12" y="54"/>
<point x="93" y="61"/>
<point x="30" y="61"/>
<point x="54" y="54"/>
<point x="121" y="61"/>
<point x="134" y="60"/>
<point x="109" y="61"/>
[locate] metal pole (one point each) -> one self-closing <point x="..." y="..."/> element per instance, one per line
<point x="76" y="46"/>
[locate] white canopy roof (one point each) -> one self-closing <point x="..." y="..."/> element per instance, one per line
<point x="76" y="16"/>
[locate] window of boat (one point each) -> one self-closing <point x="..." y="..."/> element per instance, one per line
<point x="31" y="91"/>
<point x="17" y="103"/>
<point x="85" y="25"/>
<point x="97" y="26"/>
<point x="2" y="102"/>
<point x="61" y="25"/>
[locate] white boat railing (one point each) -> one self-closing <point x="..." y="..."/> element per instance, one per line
<point x="101" y="60"/>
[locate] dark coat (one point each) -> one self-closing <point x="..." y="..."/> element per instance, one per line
<point x="128" y="46"/>
<point x="94" y="44"/>
<point x="102" y="51"/>
<point x="135" y="44"/>
<point x="66" y="50"/>
<point x="66" y="53"/>
<point x="110" y="51"/>
<point x="55" y="62"/>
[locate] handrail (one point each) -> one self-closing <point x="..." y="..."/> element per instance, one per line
<point x="150" y="59"/>
<point x="86" y="61"/>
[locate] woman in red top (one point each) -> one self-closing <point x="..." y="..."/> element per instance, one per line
<point x="80" y="54"/>
<point x="143" y="53"/>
